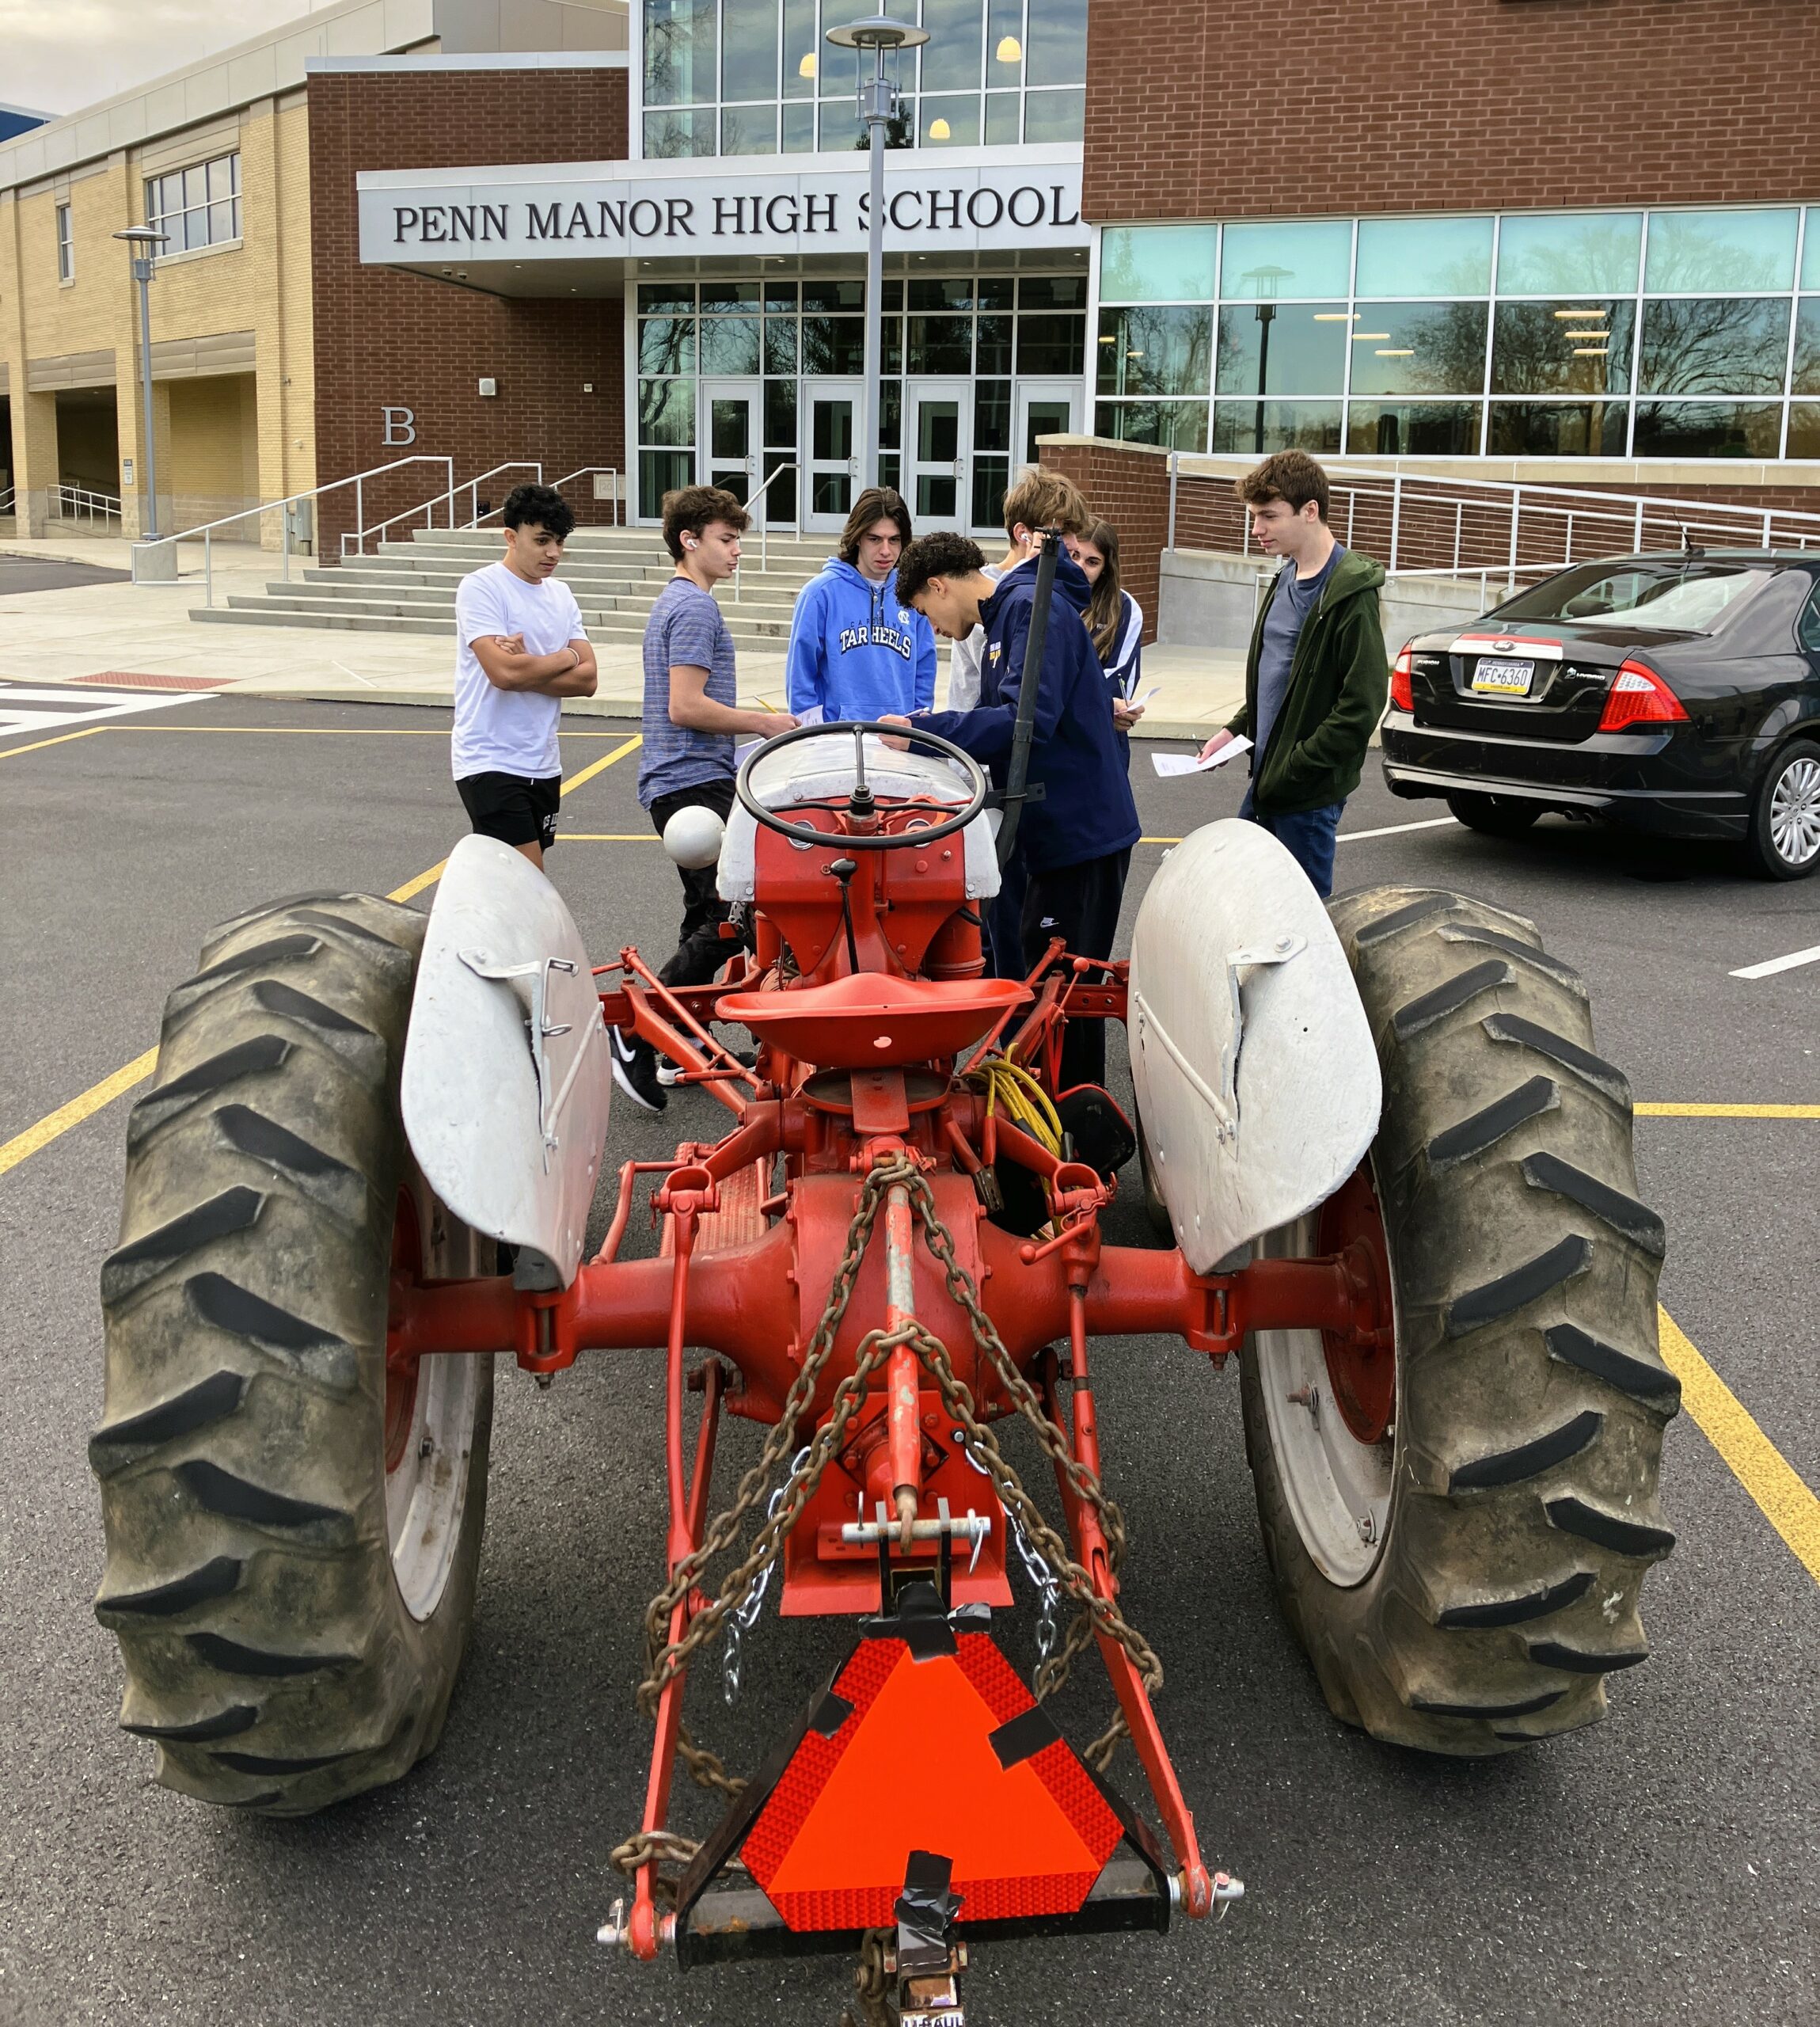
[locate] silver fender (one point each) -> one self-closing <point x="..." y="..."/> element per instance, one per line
<point x="1256" y="1078"/>
<point x="506" y="1076"/>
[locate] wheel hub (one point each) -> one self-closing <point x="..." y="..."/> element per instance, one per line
<point x="1362" y="1363"/>
<point x="1794" y="813"/>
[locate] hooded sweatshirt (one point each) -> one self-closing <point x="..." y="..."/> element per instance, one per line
<point x="855" y="651"/>
<point x="1086" y="810"/>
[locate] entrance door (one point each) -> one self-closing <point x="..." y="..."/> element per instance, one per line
<point x="937" y="430"/>
<point x="831" y="446"/>
<point x="730" y="434"/>
<point x="1045" y="407"/>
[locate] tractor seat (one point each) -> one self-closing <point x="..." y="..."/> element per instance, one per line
<point x="871" y="1020"/>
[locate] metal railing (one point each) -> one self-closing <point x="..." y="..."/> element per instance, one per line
<point x="77" y="502"/>
<point x="591" y="471"/>
<point x="8" y="500"/>
<point x="1432" y="524"/>
<point x="762" y="494"/>
<point x="288" y="518"/>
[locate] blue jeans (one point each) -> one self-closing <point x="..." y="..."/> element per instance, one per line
<point x="1307" y="836"/>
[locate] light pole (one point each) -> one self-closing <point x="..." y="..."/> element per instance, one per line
<point x="142" y="238"/>
<point x="1266" y="278"/>
<point x="878" y="104"/>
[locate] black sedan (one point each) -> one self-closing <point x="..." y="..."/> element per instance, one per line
<point x="1678" y="694"/>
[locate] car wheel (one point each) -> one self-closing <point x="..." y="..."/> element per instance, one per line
<point x="1496" y="815"/>
<point x="1784" y="838"/>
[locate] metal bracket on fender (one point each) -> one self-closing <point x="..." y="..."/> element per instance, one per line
<point x="506" y="1080"/>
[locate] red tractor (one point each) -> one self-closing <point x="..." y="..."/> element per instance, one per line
<point x="1387" y="1171"/>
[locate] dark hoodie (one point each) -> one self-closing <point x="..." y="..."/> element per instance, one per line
<point x="1086" y="810"/>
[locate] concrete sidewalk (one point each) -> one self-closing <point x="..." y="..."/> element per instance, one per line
<point x="125" y="630"/>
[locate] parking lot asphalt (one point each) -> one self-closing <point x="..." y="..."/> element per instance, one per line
<point x="1658" y="1868"/>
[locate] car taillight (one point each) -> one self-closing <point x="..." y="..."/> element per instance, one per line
<point x="1402" y="682"/>
<point x="1638" y="697"/>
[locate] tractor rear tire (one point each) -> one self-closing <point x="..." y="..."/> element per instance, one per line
<point x="1465" y="1578"/>
<point x="291" y="1611"/>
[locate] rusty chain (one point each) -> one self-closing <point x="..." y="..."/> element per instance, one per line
<point x="665" y="1659"/>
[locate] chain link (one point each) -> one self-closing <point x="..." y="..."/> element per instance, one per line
<point x="745" y="1616"/>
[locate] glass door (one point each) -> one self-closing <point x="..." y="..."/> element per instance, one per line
<point x="831" y="441"/>
<point x="1045" y="407"/>
<point x="937" y="423"/>
<point x="731" y="430"/>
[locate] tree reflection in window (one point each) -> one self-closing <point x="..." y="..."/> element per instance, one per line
<point x="1714" y="345"/>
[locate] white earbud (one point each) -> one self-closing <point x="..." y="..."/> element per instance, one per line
<point x="688" y="541"/>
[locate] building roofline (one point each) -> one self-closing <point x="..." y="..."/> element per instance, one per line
<point x="555" y="59"/>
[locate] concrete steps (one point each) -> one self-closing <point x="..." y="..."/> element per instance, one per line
<point x="615" y="574"/>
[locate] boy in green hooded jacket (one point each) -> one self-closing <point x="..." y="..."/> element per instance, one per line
<point x="1317" y="676"/>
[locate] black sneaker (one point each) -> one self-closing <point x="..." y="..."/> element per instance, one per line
<point x="635" y="1071"/>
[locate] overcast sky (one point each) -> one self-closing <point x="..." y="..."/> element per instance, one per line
<point x="59" y="55"/>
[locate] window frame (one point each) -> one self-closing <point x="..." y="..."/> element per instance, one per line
<point x="66" y="242"/>
<point x="160" y="217"/>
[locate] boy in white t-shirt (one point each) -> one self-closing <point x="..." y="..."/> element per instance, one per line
<point x="519" y="650"/>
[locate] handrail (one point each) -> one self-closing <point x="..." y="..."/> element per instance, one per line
<point x="80" y="500"/>
<point x="9" y="499"/>
<point x="357" y="480"/>
<point x="587" y="471"/>
<point x="765" y="524"/>
<point x="467" y="485"/>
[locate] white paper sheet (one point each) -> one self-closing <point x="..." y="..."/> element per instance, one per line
<point x="1168" y="764"/>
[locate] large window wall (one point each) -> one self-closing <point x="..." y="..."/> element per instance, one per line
<point x="757" y="77"/>
<point x="1581" y="334"/>
<point x="989" y="329"/>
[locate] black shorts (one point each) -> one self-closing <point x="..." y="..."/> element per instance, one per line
<point x="514" y="810"/>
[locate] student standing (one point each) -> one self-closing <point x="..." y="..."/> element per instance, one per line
<point x="1316" y="676"/>
<point x="691" y="718"/>
<point x="519" y="650"/>
<point x="857" y="650"/>
<point x="1115" y="621"/>
<point x="1076" y="840"/>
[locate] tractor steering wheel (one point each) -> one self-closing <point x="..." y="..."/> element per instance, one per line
<point x="861" y="803"/>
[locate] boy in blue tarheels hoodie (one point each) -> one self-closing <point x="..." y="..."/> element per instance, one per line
<point x="1076" y="840"/>
<point x="856" y="650"/>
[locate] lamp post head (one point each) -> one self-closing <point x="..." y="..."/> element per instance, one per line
<point x="144" y="235"/>
<point x="878" y="31"/>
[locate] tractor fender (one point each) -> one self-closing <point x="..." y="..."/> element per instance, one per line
<point x="1256" y="1077"/>
<point x="506" y="1076"/>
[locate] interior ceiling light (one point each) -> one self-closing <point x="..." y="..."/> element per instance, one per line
<point x="1009" y="50"/>
<point x="1393" y="352"/>
<point x="939" y="130"/>
<point x="1336" y="316"/>
<point x="1561" y="315"/>
<point x="807" y="67"/>
<point x="1575" y="336"/>
<point x="1592" y="352"/>
<point x="1110" y="339"/>
<point x="1369" y="337"/>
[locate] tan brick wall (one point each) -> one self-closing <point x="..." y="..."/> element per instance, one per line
<point x="1338" y="106"/>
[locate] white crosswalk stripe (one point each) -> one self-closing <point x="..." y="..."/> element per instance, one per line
<point x="26" y="707"/>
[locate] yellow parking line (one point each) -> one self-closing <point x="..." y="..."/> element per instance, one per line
<point x="1787" y="1503"/>
<point x="1726" y="1111"/>
<point x="38" y="745"/>
<point x="55" y="1124"/>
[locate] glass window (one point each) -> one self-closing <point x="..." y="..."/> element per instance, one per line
<point x="666" y="344"/>
<point x="779" y="344"/>
<point x="1408" y="429"/>
<point x="995" y="340"/>
<point x="951" y="123"/>
<point x="1158" y="262"/>
<point x="923" y="294"/>
<point x="951" y="56"/>
<point x="196" y="206"/>
<point x="1154" y="351"/>
<point x="1003" y="42"/>
<point x="1002" y="118"/>
<point x="1424" y="348"/>
<point x="1714" y="345"/>
<point x="729" y="344"/>
<point x="996" y="291"/>
<point x="1569" y="252"/>
<point x="1804" y="430"/>
<point x="660" y="472"/>
<point x="1557" y="429"/>
<point x="729" y="295"/>
<point x="748" y="52"/>
<point x="1057" y="32"/>
<point x="678" y="52"/>
<point x="941" y="344"/>
<point x="1424" y="257"/>
<point x="666" y="298"/>
<point x="1692" y="594"/>
<point x="839" y="126"/>
<point x="1311" y="258"/>
<point x="749" y="129"/>
<point x="1708" y="429"/>
<point x="781" y="414"/>
<point x="802" y="49"/>
<point x="1171" y="425"/>
<point x="1807" y="380"/>
<point x="1690" y="250"/>
<point x="1259" y="427"/>
<point x="992" y="416"/>
<point x="1054" y="115"/>
<point x="1810" y="252"/>
<point x="991" y="478"/>
<point x="1287" y="347"/>
<point x="670" y="135"/>
<point x="833" y="295"/>
<point x="799" y="129"/>
<point x="1051" y="344"/>
<point x="66" y="246"/>
<point x="1052" y="292"/>
<point x="666" y="411"/>
<point x="1562" y="347"/>
<point x="833" y="345"/>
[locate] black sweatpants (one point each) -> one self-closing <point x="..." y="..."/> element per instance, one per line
<point x="1080" y="903"/>
<point x="700" y="949"/>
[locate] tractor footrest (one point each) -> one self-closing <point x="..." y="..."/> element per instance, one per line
<point x="729" y="1924"/>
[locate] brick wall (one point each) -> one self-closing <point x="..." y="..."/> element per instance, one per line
<point x="383" y="337"/>
<point x="1339" y="106"/>
<point x="1129" y="487"/>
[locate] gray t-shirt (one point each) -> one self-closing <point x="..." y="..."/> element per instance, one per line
<point x="685" y="629"/>
<point x="1291" y="602"/>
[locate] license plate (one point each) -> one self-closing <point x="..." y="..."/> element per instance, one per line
<point x="1503" y="678"/>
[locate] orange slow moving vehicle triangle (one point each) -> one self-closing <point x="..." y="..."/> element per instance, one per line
<point x="914" y="1767"/>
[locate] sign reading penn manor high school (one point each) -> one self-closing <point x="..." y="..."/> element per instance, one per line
<point x="950" y="200"/>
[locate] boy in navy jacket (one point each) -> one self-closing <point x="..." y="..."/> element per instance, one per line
<point x="1077" y="838"/>
<point x="857" y="650"/>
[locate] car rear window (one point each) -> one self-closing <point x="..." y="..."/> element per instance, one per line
<point x="1695" y="598"/>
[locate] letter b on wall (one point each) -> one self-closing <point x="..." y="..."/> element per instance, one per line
<point x="401" y="427"/>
